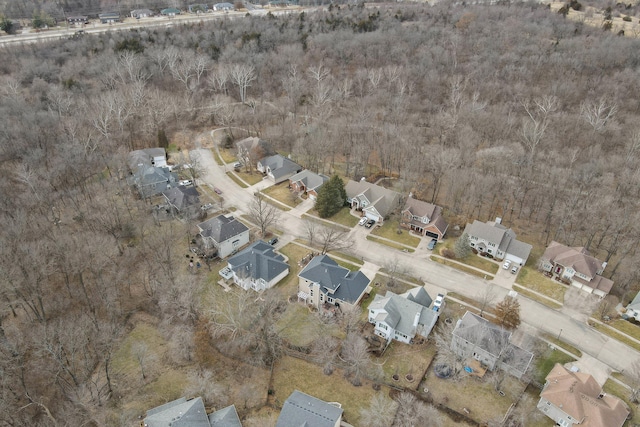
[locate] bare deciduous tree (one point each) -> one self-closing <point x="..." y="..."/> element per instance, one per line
<point x="413" y="412"/>
<point x="242" y="75"/>
<point x="355" y="355"/>
<point x="262" y="213"/>
<point x="380" y="412"/>
<point x="508" y="312"/>
<point x="598" y="113"/>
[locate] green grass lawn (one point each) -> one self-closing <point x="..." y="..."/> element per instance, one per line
<point x="532" y="279"/>
<point x="390" y="244"/>
<point x="559" y="343"/>
<point x="461" y="267"/>
<point x="235" y="179"/>
<point x="614" y="334"/>
<point x="546" y="362"/>
<point x="283" y="194"/>
<point x="626" y="327"/>
<point x="471" y="302"/>
<point x="536" y="297"/>
<point x="472" y="259"/>
<point x="250" y="178"/>
<point x="622" y="392"/>
<point x="389" y="230"/>
<point x="342" y="217"/>
<point x="351" y="258"/>
<point x="227" y="155"/>
<point x="404" y="277"/>
<point x="294" y="253"/>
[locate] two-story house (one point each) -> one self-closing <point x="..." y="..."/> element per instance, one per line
<point x="183" y="201"/>
<point x="495" y="239"/>
<point x="190" y="413"/>
<point x="258" y="267"/>
<point x="323" y="281"/>
<point x="152" y="181"/>
<point x="224" y="233"/>
<point x="575" y="266"/>
<point x="402" y="317"/>
<point x="490" y="344"/>
<point x="576" y="399"/>
<point x="142" y="159"/>
<point x="375" y="202"/>
<point x="423" y="218"/>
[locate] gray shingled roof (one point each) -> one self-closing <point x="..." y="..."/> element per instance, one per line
<point x="225" y="417"/>
<point x="179" y="413"/>
<point x="402" y="311"/>
<point x="482" y="333"/>
<point x="312" y="181"/>
<point x="258" y="261"/>
<point x="489" y="231"/>
<point x="280" y="165"/>
<point x="418" y="295"/>
<point x="635" y="303"/>
<point x="302" y="410"/>
<point x="335" y="280"/>
<point x="221" y="228"/>
<point x="182" y="197"/>
<point x="382" y="199"/>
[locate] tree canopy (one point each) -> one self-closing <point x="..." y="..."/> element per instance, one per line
<point x="331" y="197"/>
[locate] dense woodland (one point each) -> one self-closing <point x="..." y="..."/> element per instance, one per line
<point x="506" y="110"/>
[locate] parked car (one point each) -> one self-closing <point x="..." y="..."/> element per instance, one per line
<point x="237" y="165"/>
<point x="437" y="304"/>
<point x="432" y="244"/>
<point x="506" y="265"/>
<point x="363" y="220"/>
<point x="185" y="182"/>
<point x="273" y="241"/>
<point x="207" y="206"/>
<point x="217" y="190"/>
<point x="369" y="223"/>
<point x="514" y="270"/>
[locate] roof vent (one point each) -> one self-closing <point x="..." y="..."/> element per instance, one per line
<point x="498" y="220"/>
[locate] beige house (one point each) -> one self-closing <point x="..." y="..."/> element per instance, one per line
<point x="576" y="399"/>
<point x="423" y="218"/>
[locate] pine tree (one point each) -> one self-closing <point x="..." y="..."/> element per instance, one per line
<point x="461" y="248"/>
<point x="331" y="197"/>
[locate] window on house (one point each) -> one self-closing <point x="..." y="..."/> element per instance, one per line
<point x="489" y="251"/>
<point x="330" y="299"/>
<point x="472" y="244"/>
<point x="235" y="243"/>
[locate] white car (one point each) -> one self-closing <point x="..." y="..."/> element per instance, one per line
<point x="437" y="304"/>
<point x="506" y="265"/>
<point x="185" y="182"/>
<point x="363" y="220"/>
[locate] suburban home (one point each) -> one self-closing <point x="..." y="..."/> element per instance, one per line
<point x="495" y="239"/>
<point x="575" y="266"/>
<point x="147" y="157"/>
<point x="375" y="202"/>
<point x="198" y="8"/>
<point x="152" y="181"/>
<point x="222" y="6"/>
<point x="183" y="201"/>
<point x="575" y="398"/>
<point x="633" y="309"/>
<point x="78" y="20"/>
<point x="278" y="168"/>
<point x="190" y="413"/>
<point x="109" y="17"/>
<point x="308" y="183"/>
<point x="252" y="149"/>
<point x="170" y="11"/>
<point x="477" y="338"/>
<point x="258" y="267"/>
<point x="423" y="218"/>
<point x="300" y="410"/>
<point x="402" y="317"/>
<point x="141" y="13"/>
<point x="226" y="234"/>
<point x="323" y="281"/>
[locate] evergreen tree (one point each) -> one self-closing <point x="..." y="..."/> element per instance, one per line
<point x="6" y="25"/>
<point x="163" y="141"/>
<point x="461" y="248"/>
<point x="331" y="197"/>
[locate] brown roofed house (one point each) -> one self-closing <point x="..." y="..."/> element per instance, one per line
<point x="423" y="218"/>
<point x="575" y="398"/>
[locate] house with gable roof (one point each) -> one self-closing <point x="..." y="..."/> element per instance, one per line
<point x="423" y="218"/>
<point x="184" y="201"/>
<point x="141" y="159"/>
<point x="576" y="399"/>
<point x="493" y="238"/>
<point x="402" y="317"/>
<point x="633" y="309"/>
<point x="577" y="267"/>
<point x="225" y="233"/>
<point x="141" y="13"/>
<point x="190" y="413"/>
<point x="308" y="183"/>
<point x="151" y="181"/>
<point x="475" y="337"/>
<point x="258" y="267"/>
<point x="323" y="281"/>
<point x="375" y="202"/>
<point x="278" y="168"/>
<point x="302" y="410"/>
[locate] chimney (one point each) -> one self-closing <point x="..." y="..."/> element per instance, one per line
<point x="416" y="319"/>
<point x="498" y="220"/>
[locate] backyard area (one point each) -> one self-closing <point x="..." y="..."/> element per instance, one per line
<point x="391" y="230"/>
<point x="283" y="194"/>
<point x="404" y="365"/>
<point x="300" y="326"/>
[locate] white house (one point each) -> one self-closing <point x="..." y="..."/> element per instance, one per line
<point x="226" y="234"/>
<point x="402" y="317"/>
<point x="278" y="168"/>
<point x="633" y="309"/>
<point x="258" y="267"/>
<point x="493" y="238"/>
<point x="375" y="202"/>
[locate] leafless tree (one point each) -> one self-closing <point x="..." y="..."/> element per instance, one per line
<point x="598" y="113"/>
<point x="508" y="312"/>
<point x="332" y="238"/>
<point x="203" y="383"/>
<point x="263" y="214"/>
<point x="607" y="306"/>
<point x="355" y="355"/>
<point x="446" y="355"/>
<point x="485" y="298"/>
<point x="380" y="412"/>
<point x="242" y="75"/>
<point x="413" y="412"/>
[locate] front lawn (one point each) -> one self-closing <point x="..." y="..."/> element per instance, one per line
<point x="390" y="244"/>
<point x="461" y="267"/>
<point x="227" y="155"/>
<point x="389" y="230"/>
<point x="546" y="361"/>
<point x="605" y="329"/>
<point x="343" y="217"/>
<point x="626" y="327"/>
<point x="472" y="259"/>
<point x="237" y="180"/>
<point x="250" y="178"/>
<point x="538" y="282"/>
<point x="532" y="295"/>
<point x="283" y="194"/>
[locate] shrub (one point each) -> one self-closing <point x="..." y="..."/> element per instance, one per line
<point x="475" y="251"/>
<point x="448" y="253"/>
<point x="626" y="19"/>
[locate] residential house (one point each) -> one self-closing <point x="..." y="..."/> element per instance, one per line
<point x="278" y="168"/>
<point x="226" y="234"/>
<point x="170" y="11"/>
<point x="633" y="309"/>
<point x="223" y="6"/>
<point x="323" y="281"/>
<point x="147" y="157"/>
<point x="423" y="218"/>
<point x="402" y="317"/>
<point x="258" y="267"/>
<point x="300" y="410"/>
<point x="251" y="149"/>
<point x="376" y="202"/>
<point x="477" y="338"/>
<point x="183" y="201"/>
<point x="152" y="181"/>
<point x="198" y="8"/>
<point x="190" y="413"/>
<point x="575" y="266"/>
<point x="77" y="20"/>
<point x="575" y="398"/>
<point x="109" y="17"/>
<point x="308" y="183"/>
<point x="141" y="13"/>
<point x="495" y="239"/>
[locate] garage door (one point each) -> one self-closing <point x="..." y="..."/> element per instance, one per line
<point x="514" y="259"/>
<point x="434" y="235"/>
<point x="372" y="216"/>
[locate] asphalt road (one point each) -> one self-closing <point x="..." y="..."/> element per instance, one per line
<point x="438" y="277"/>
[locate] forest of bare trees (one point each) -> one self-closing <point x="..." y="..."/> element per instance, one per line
<point x="508" y="110"/>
